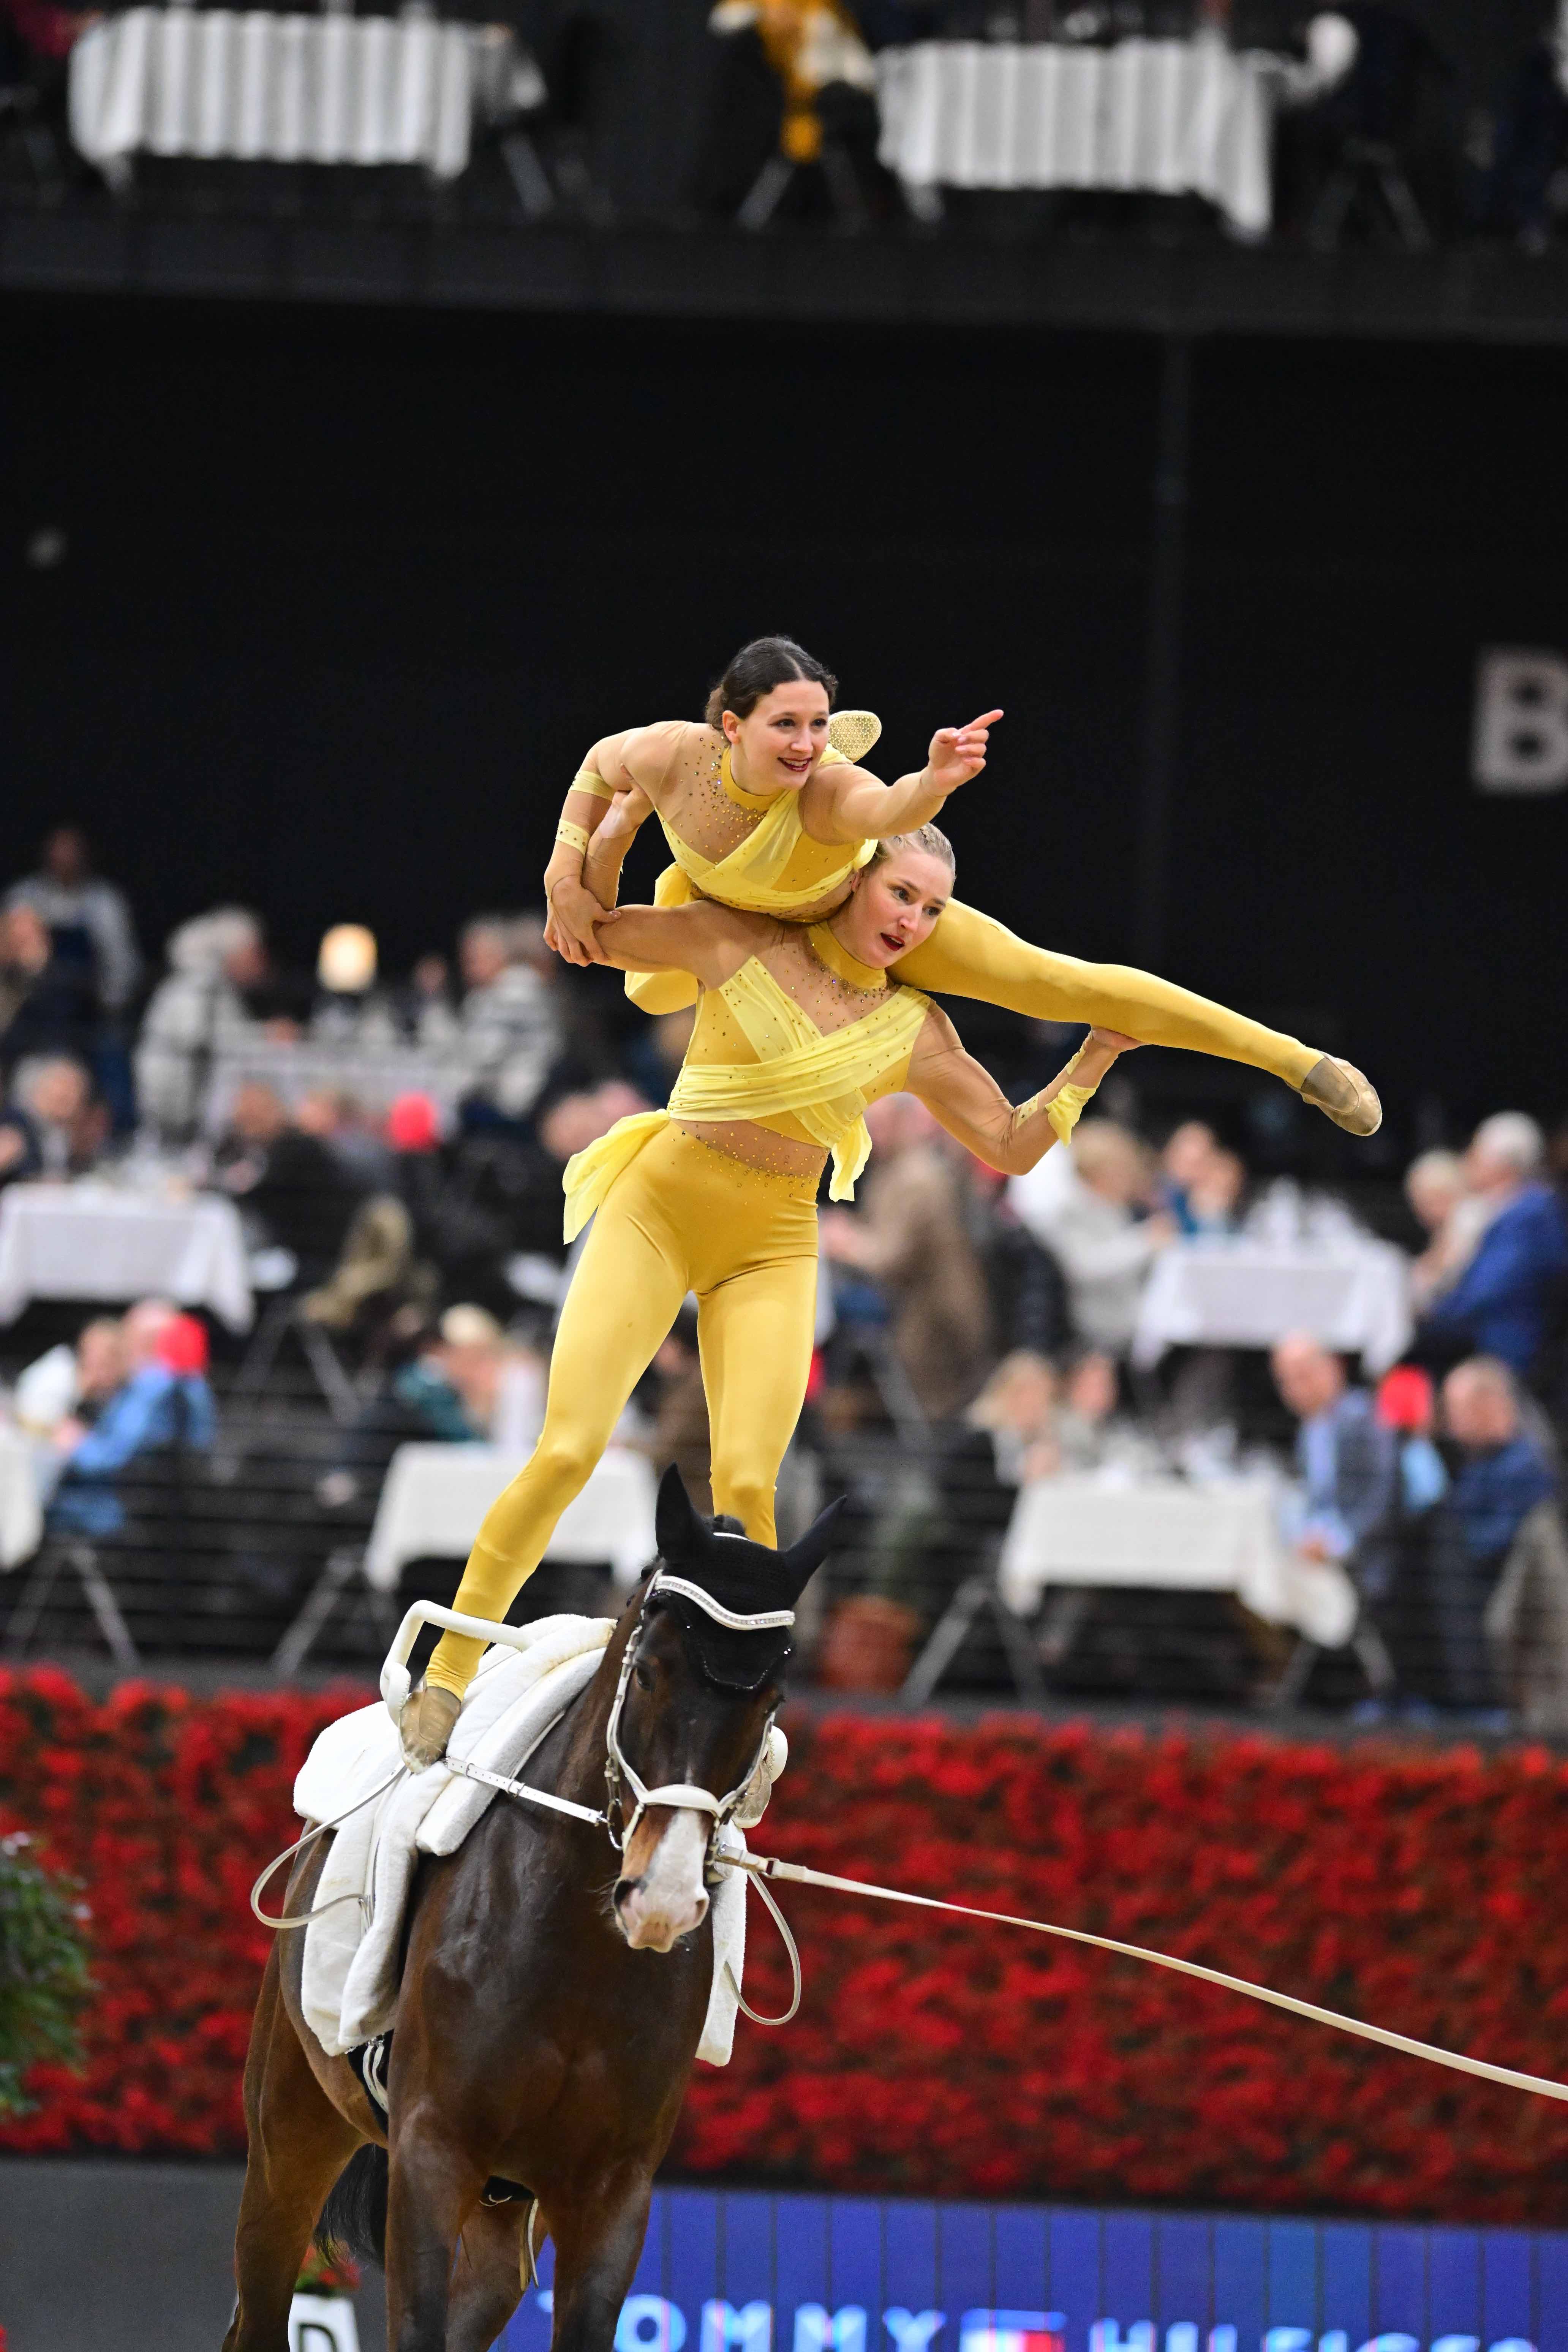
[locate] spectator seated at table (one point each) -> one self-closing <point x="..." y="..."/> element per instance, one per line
<point x="1503" y="1299"/>
<point x="164" y="1410"/>
<point x="1347" y="1462"/>
<point x="48" y="1002"/>
<point x="1185" y="1160"/>
<point x="294" y="1194"/>
<point x="1454" y="1218"/>
<point x="511" y="1027"/>
<point x="217" y="965"/>
<point x="358" y="1149"/>
<point x="423" y="1009"/>
<point x="1504" y="1471"/>
<point x="1089" y="1430"/>
<point x="444" y="1392"/>
<point x="1080" y="1204"/>
<point x="73" y="1383"/>
<point x="911" y="1238"/>
<point x="68" y="1124"/>
<point x="88" y="919"/>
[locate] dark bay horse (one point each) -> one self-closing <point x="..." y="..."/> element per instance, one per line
<point x="552" y="1992"/>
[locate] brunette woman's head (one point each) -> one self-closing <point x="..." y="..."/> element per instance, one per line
<point x="772" y="706"/>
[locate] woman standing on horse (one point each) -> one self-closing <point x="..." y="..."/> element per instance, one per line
<point x="798" y="1028"/>
<point x="764" y="809"/>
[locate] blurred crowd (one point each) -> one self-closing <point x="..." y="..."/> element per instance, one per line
<point x="393" y="1153"/>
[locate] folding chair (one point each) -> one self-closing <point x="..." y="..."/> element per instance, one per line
<point x="977" y="1596"/>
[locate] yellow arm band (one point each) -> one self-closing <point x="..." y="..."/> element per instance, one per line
<point x="575" y="836"/>
<point x="1063" y="1112"/>
<point x="588" y="779"/>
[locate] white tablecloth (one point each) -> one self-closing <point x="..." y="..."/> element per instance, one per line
<point x="288" y="88"/>
<point x="1171" y="117"/>
<point x="86" y="1241"/>
<point x="21" y="1513"/>
<point x="1164" y="1533"/>
<point x="435" y="1496"/>
<point x="375" y="1079"/>
<point x="1248" y="1294"/>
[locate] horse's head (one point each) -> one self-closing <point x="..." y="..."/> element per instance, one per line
<point x="701" y="1680"/>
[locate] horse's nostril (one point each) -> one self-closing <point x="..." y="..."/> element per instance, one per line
<point x="624" y="1887"/>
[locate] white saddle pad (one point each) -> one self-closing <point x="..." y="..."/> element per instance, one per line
<point x="352" y="1949"/>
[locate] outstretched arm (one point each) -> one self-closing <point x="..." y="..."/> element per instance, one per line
<point x="966" y="1098"/>
<point x="702" y="938"/>
<point x="856" y="807"/>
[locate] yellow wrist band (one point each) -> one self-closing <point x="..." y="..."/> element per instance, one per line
<point x="1063" y="1112"/>
<point x="575" y="836"/>
<point x="588" y="779"/>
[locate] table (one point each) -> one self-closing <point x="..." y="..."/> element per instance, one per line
<point x="88" y="1241"/>
<point x="1354" y="1296"/>
<point x="255" y="86"/>
<point x="21" y="1513"/>
<point x="435" y="1496"/>
<point x="375" y="1076"/>
<point x="1171" y="117"/>
<point x="1167" y="1534"/>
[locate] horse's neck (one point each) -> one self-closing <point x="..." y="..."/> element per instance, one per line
<point x="573" y="1757"/>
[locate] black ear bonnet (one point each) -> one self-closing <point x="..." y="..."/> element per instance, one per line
<point x="745" y="1578"/>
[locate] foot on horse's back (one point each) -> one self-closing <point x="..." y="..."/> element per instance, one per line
<point x="425" y="1724"/>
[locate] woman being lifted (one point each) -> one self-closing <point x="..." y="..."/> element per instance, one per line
<point x="798" y="1028"/>
<point x="764" y="808"/>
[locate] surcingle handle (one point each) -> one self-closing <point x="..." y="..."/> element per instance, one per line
<point x="395" y="1679"/>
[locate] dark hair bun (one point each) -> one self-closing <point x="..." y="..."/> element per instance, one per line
<point x="757" y="668"/>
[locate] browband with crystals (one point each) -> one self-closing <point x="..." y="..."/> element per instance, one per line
<point x="767" y="1621"/>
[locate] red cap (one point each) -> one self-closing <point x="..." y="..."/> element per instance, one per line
<point x="1404" y="1399"/>
<point x="414" y="1124"/>
<point x="182" y="1345"/>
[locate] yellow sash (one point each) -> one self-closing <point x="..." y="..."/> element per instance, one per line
<point x="821" y="1080"/>
<point x="748" y="875"/>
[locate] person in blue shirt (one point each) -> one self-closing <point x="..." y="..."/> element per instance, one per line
<point x="1500" y="1305"/>
<point x="1503" y="1473"/>
<point x="1347" y="1459"/>
<point x="163" y="1407"/>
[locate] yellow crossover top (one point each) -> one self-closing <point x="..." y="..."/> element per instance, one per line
<point x="776" y="868"/>
<point x="801" y="1082"/>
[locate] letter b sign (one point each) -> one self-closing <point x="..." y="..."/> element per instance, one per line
<point x="1521" y="721"/>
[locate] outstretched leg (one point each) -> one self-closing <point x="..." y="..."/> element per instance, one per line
<point x="968" y="954"/>
<point x="625" y="1295"/>
<point x="298" y="2144"/>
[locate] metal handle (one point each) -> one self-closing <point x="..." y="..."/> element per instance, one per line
<point x="395" y="1679"/>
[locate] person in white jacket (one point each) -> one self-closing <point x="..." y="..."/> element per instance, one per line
<point x="1079" y="1203"/>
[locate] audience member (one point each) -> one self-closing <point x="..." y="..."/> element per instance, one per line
<point x="67" y="1125"/>
<point x="88" y="919"/>
<point x="1183" y="1164"/>
<point x="912" y="1237"/>
<point x="1089" y="1430"/>
<point x="1441" y="1200"/>
<point x="69" y="1383"/>
<point x="1346" y="1459"/>
<point x="165" y="1407"/>
<point x="362" y="1156"/>
<point x="423" y="1006"/>
<point x="1503" y="1475"/>
<point x="444" y="1392"/>
<point x="511" y="1024"/>
<point x="1501" y="1302"/>
<point x="1079" y="1202"/>
<point x="297" y="1195"/>
<point x="199" y="1011"/>
<point x="48" y="1003"/>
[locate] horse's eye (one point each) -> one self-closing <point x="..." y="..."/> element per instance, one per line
<point x="642" y="1675"/>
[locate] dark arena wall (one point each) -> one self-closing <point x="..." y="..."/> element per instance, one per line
<point x="344" y="595"/>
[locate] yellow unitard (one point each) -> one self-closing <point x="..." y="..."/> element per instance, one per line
<point x="671" y="1214"/>
<point x="779" y="870"/>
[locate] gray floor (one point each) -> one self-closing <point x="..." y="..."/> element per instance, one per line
<point x="117" y="2256"/>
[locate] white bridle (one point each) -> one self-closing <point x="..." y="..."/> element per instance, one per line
<point x="684" y="1795"/>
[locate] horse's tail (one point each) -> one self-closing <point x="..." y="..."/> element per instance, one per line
<point x="354" y="2218"/>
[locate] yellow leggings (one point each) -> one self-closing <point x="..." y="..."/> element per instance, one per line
<point x="970" y="955"/>
<point x="682" y="1217"/>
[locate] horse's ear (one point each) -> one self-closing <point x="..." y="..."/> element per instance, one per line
<point x="676" y="1525"/>
<point x="800" y="1563"/>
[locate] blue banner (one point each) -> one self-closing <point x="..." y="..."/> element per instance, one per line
<point x="738" y="2271"/>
